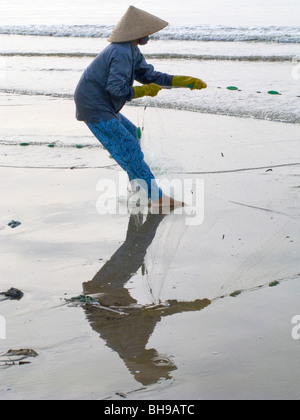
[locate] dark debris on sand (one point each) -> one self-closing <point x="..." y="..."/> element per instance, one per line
<point x="12" y="293"/>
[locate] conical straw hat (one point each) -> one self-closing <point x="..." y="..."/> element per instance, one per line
<point x="136" y="24"/>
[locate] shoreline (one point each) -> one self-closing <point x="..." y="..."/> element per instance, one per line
<point x="164" y="106"/>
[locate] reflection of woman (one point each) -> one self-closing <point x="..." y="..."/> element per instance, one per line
<point x="106" y="85"/>
<point x="129" y="335"/>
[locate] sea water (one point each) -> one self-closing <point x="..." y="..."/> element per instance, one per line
<point x="252" y="45"/>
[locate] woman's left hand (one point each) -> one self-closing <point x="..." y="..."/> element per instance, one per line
<point x="187" y="81"/>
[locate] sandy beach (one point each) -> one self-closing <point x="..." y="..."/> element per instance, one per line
<point x="208" y="306"/>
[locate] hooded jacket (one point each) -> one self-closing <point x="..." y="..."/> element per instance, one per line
<point x="106" y="84"/>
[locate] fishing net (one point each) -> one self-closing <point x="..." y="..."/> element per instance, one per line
<point x="249" y="237"/>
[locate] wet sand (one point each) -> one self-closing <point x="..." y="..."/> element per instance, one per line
<point x="202" y="320"/>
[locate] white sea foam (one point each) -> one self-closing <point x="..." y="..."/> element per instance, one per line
<point x="188" y="33"/>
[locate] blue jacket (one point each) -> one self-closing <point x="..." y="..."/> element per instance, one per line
<point x="106" y="84"/>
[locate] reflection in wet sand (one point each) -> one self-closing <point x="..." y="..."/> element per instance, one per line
<point x="129" y="335"/>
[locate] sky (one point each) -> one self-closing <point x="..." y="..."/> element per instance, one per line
<point x="176" y="12"/>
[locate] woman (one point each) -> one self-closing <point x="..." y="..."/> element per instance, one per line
<point x="107" y="84"/>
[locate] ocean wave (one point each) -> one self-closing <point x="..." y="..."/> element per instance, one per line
<point x="36" y="93"/>
<point x="280" y="115"/>
<point x="259" y="114"/>
<point x="160" y="56"/>
<point x="46" y="54"/>
<point x="285" y="34"/>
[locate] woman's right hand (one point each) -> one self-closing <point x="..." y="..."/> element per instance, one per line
<point x="151" y="89"/>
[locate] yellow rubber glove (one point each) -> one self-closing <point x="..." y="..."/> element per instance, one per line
<point x="187" y="80"/>
<point x="146" y="90"/>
